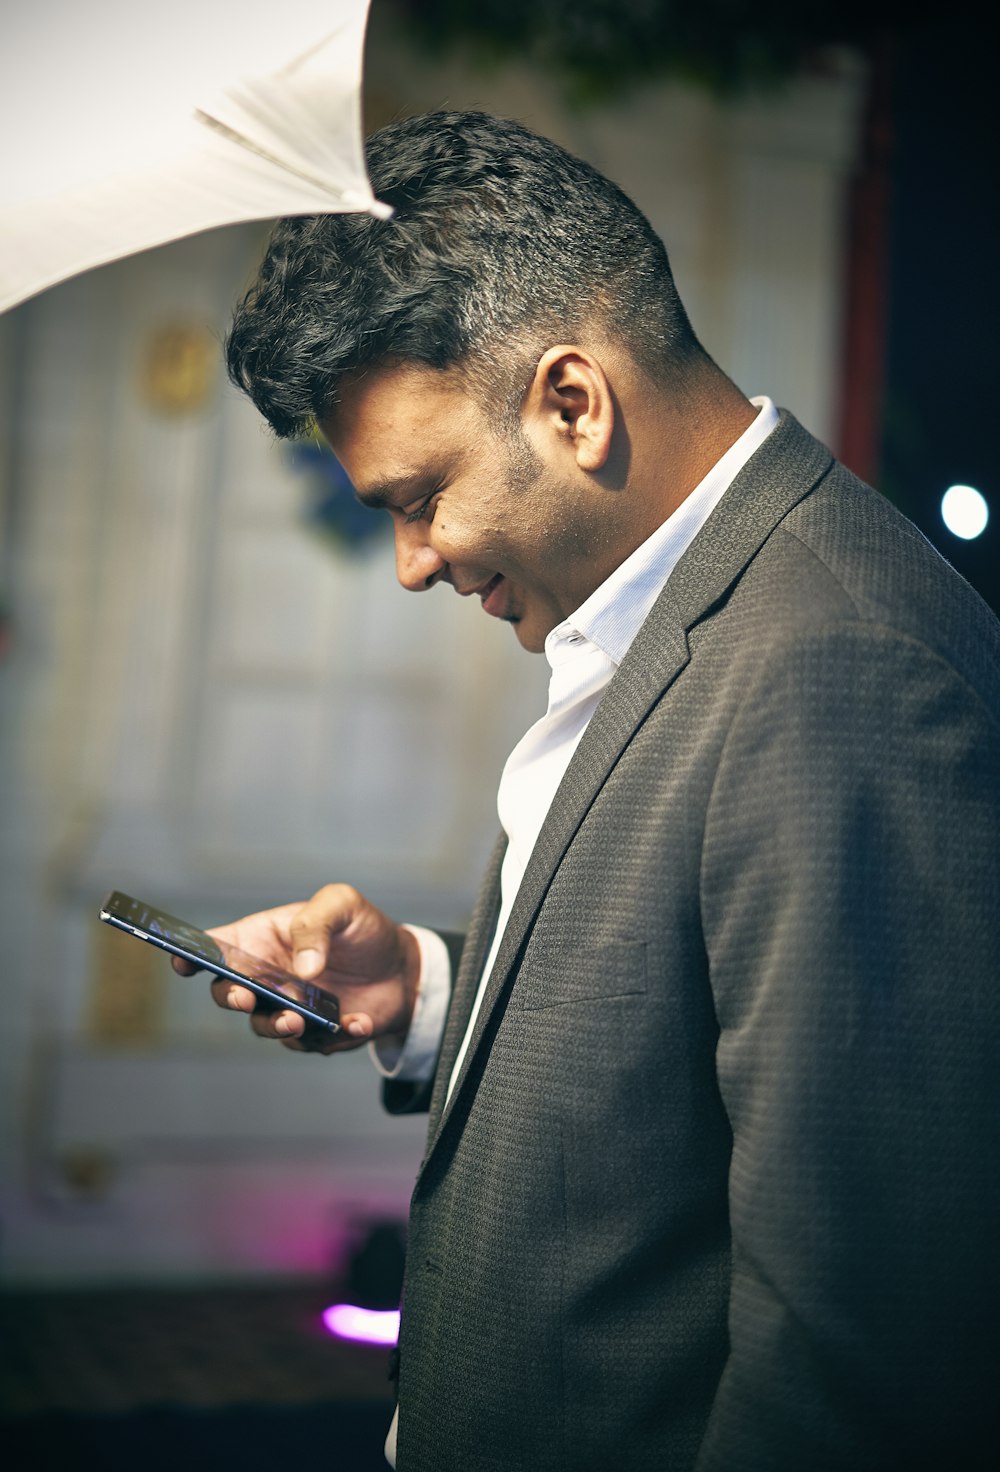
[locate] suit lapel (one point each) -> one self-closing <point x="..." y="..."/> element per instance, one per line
<point x="466" y="982"/>
<point x="785" y="469"/>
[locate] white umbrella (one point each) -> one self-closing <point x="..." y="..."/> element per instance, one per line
<point x="126" y="126"/>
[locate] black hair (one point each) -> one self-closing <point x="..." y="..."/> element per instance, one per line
<point x="501" y="243"/>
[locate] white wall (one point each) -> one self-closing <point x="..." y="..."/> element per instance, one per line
<point x="209" y="706"/>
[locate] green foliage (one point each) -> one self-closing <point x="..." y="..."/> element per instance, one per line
<point x="598" y="48"/>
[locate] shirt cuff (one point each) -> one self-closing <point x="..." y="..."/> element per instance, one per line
<point x="413" y="1060"/>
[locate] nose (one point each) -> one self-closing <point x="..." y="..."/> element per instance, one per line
<point x="418" y="565"/>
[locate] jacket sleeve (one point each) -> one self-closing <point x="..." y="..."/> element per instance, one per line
<point x="401" y="1096"/>
<point x="851" y="903"/>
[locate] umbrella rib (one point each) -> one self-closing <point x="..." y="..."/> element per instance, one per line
<point x="349" y="196"/>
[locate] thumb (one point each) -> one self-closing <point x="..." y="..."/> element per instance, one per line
<point x="322" y="917"/>
<point x="309" y="962"/>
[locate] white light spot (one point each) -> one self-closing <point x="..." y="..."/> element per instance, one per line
<point x="964" y="512"/>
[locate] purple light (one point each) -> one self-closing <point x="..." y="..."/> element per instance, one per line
<point x="363" y="1325"/>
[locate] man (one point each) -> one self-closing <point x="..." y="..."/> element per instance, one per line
<point x="710" y="1176"/>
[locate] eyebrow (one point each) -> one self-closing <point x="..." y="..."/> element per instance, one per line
<point x="387" y="492"/>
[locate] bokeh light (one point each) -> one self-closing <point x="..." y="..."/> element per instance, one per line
<point x="964" y="512"/>
<point x="363" y="1325"/>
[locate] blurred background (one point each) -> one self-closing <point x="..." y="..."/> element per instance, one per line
<point x="214" y="695"/>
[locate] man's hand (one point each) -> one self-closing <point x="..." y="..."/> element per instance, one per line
<point x="337" y="940"/>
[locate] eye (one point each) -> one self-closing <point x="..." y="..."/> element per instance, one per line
<point x="419" y="513"/>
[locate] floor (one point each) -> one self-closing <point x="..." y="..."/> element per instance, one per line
<point x="150" y="1379"/>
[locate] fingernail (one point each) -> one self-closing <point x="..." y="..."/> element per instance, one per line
<point x="308" y="963"/>
<point x="357" y="1029"/>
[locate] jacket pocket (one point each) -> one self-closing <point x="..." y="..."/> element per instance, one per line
<point x="557" y="976"/>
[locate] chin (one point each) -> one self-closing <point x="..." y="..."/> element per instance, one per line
<point x="530" y="638"/>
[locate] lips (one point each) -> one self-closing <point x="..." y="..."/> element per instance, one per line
<point x="494" y="596"/>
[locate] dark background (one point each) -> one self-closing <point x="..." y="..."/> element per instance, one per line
<point x="939" y="426"/>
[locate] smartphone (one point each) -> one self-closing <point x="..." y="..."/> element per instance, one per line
<point x="275" y="990"/>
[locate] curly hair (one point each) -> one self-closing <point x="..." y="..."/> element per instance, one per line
<point x="501" y="243"/>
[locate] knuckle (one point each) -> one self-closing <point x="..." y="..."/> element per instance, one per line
<point x="337" y="895"/>
<point x="327" y="909"/>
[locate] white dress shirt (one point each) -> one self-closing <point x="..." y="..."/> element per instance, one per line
<point x="583" y="653"/>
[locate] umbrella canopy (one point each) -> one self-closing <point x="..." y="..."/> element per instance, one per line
<point x="126" y="126"/>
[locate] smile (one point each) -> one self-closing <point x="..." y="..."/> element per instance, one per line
<point x="494" y="596"/>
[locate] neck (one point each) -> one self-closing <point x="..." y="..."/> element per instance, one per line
<point x="677" y="439"/>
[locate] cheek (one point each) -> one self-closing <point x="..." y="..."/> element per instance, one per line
<point x="462" y="539"/>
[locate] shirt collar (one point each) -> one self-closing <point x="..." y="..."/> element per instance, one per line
<point x="615" y="612"/>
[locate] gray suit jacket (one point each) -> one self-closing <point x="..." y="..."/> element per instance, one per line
<point x="716" y="1187"/>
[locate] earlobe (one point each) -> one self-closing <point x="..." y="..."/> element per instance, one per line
<point x="574" y="398"/>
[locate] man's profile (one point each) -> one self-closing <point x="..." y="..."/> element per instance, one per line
<point x="710" y="1175"/>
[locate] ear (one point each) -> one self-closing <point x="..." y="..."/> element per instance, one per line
<point x="570" y="397"/>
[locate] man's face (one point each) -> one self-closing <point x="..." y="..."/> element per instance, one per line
<point x="493" y="515"/>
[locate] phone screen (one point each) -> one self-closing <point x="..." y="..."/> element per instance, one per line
<point x="273" y="987"/>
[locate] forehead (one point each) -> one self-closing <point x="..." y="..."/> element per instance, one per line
<point x="397" y="402"/>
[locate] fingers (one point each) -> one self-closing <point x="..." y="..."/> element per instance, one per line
<point x="236" y="998"/>
<point x="328" y="913"/>
<point x="292" y="1030"/>
<point x="281" y="1025"/>
<point x="291" y="1027"/>
<point x="284" y="1026"/>
<point x="354" y="1034"/>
